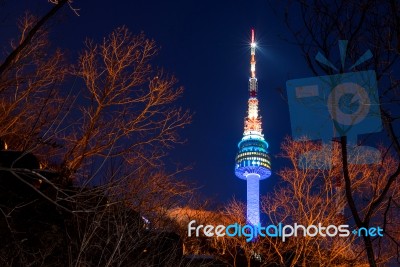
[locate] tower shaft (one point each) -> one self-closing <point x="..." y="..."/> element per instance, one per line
<point x="253" y="201"/>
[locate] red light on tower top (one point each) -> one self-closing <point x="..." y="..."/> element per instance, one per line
<point x="252" y="35"/>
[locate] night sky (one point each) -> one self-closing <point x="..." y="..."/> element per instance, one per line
<point x="205" y="44"/>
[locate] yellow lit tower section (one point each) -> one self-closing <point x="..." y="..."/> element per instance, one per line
<point x="252" y="160"/>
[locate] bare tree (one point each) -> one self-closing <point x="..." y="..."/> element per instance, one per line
<point x="29" y="88"/>
<point x="310" y="196"/>
<point x="128" y="111"/>
<point x="100" y="147"/>
<point x="374" y="25"/>
<point x="242" y="251"/>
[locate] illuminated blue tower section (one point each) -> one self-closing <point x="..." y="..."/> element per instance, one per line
<point x="252" y="160"/>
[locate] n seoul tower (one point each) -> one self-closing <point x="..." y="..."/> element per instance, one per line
<point x="252" y="160"/>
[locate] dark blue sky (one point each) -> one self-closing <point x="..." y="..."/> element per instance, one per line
<point x="205" y="44"/>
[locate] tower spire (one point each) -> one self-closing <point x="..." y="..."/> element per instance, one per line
<point x="252" y="160"/>
<point x="252" y="123"/>
<point x="253" y="55"/>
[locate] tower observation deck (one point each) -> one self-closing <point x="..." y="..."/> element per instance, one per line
<point x="252" y="160"/>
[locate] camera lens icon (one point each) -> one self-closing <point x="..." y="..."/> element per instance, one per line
<point x="332" y="106"/>
<point x="348" y="103"/>
<point x="327" y="107"/>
